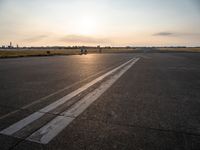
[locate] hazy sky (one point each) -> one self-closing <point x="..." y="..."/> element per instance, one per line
<point x="104" y="22"/>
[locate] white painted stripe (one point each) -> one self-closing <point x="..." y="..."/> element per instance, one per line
<point x="45" y="134"/>
<point x="54" y="93"/>
<point x="19" y="125"/>
<point x="31" y="118"/>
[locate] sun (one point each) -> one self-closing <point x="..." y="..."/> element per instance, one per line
<point x="87" y="25"/>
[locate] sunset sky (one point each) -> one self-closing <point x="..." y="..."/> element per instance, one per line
<point x="100" y="22"/>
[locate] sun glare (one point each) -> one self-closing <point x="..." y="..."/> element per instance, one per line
<point x="87" y="25"/>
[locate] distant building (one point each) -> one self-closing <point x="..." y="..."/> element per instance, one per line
<point x="10" y="45"/>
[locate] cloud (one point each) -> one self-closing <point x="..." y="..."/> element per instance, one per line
<point x="163" y="34"/>
<point x="36" y="38"/>
<point x="175" y="34"/>
<point x="83" y="39"/>
<point x="68" y="39"/>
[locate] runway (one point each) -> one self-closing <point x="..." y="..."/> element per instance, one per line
<point x="101" y="101"/>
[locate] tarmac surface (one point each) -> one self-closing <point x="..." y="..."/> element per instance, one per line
<point x="144" y="101"/>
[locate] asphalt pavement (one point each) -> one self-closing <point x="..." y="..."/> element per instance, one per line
<point x="144" y="101"/>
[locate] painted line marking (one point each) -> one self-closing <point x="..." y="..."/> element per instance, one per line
<point x="45" y="134"/>
<point x="31" y="118"/>
<point x="52" y="94"/>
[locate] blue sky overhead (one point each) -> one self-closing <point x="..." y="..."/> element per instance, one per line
<point x="104" y="22"/>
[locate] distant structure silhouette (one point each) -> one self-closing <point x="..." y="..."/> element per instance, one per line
<point x="10" y="45"/>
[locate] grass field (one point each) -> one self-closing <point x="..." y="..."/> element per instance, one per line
<point x="36" y="52"/>
<point x="12" y="53"/>
<point x="9" y="53"/>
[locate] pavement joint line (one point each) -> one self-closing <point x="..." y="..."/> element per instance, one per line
<point x="36" y="115"/>
<point x="46" y="133"/>
<point x="50" y="95"/>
